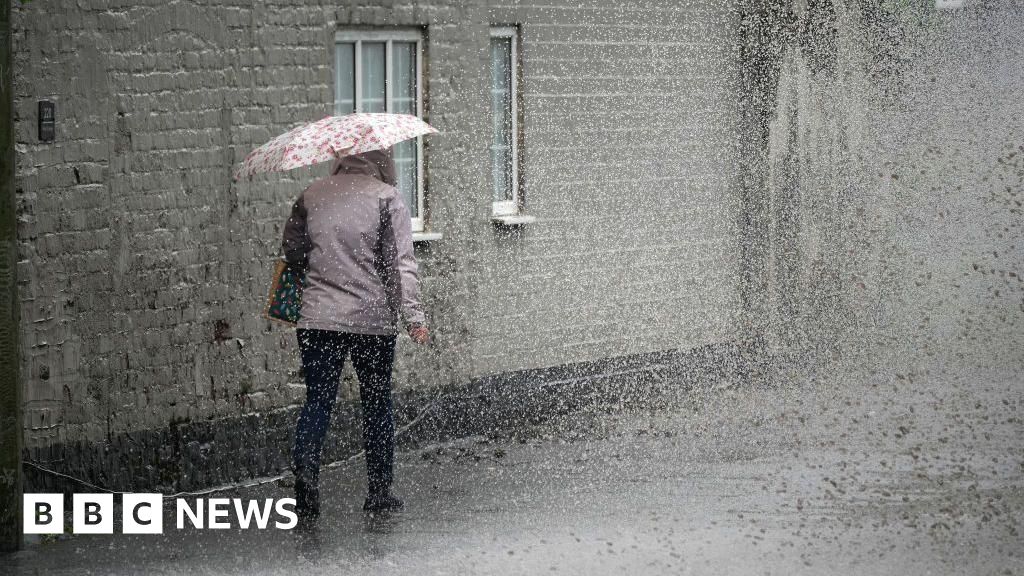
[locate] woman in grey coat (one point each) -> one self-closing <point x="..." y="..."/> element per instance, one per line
<point x="351" y="233"/>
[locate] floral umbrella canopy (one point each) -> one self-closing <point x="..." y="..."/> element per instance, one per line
<point x="330" y="138"/>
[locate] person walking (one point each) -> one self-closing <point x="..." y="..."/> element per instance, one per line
<point x="351" y="234"/>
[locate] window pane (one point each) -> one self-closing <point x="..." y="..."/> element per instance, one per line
<point x="501" y="112"/>
<point x="403" y="101"/>
<point x="344" y="78"/>
<point x="405" y="165"/>
<point x="373" y="77"/>
<point x="385" y="78"/>
<point x="403" y="88"/>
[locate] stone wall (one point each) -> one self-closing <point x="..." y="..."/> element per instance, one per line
<point x="143" y="267"/>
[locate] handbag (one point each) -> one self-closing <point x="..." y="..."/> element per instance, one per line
<point x="285" y="299"/>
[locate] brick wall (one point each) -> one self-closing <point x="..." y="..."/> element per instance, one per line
<point x="629" y="165"/>
<point x="143" y="268"/>
<point x="141" y="263"/>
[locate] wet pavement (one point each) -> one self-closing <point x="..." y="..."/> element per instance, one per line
<point x="902" y="474"/>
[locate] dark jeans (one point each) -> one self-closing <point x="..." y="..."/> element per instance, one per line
<point x="323" y="356"/>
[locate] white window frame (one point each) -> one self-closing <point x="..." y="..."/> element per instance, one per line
<point x="357" y="37"/>
<point x="510" y="207"/>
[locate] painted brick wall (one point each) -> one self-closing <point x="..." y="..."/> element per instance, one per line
<point x="143" y="267"/>
<point x="630" y="167"/>
<point x="141" y="264"/>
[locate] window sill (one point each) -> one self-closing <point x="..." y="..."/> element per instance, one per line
<point x="513" y="219"/>
<point x="418" y="237"/>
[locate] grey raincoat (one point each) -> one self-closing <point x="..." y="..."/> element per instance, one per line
<point x="352" y="233"/>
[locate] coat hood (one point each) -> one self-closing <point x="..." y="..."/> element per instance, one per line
<point x="376" y="164"/>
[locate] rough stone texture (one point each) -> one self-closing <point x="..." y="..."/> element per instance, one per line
<point x="143" y="268"/>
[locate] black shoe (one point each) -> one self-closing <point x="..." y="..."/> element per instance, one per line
<point x="307" y="500"/>
<point x="382" y="501"/>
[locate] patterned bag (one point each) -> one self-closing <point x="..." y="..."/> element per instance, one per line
<point x="285" y="294"/>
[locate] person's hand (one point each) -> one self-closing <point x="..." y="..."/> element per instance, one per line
<point x="419" y="333"/>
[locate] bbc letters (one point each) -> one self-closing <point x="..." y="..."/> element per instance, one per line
<point x="144" y="513"/>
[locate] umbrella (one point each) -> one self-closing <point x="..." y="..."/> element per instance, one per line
<point x="330" y="138"/>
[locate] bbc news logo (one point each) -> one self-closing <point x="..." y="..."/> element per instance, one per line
<point x="144" y="513"/>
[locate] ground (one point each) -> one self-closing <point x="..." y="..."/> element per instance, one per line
<point x="806" y="475"/>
